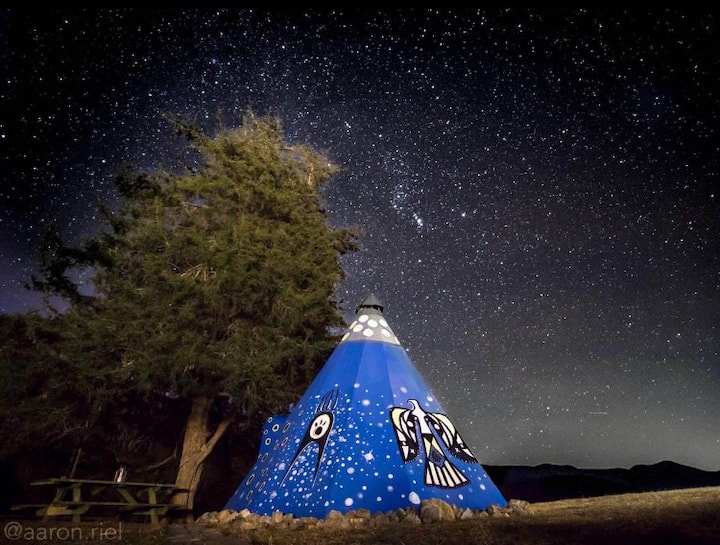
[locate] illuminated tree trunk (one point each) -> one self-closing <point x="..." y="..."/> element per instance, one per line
<point x="198" y="443"/>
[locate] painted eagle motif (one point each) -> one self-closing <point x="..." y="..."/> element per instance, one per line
<point x="415" y="428"/>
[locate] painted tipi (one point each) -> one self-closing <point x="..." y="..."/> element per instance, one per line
<point x="368" y="433"/>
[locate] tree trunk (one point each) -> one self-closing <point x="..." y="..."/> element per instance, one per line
<point x="197" y="445"/>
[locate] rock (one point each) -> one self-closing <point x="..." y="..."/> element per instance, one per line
<point x="519" y="506"/>
<point x="435" y="510"/>
<point x="360" y="514"/>
<point x="430" y="511"/>
<point x="208" y="518"/>
<point x="379" y="519"/>
<point x="226" y="515"/>
<point x="466" y="514"/>
<point x="338" y="523"/>
<point x="411" y="518"/>
<point x="304" y="522"/>
<point x="494" y="510"/>
<point x="245" y="513"/>
<point x="247" y="524"/>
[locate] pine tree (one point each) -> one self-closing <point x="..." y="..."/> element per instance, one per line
<point x="215" y="286"/>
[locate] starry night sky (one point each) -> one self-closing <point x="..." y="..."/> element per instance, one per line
<point x="538" y="190"/>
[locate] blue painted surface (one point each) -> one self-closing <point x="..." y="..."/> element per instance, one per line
<point x="368" y="433"/>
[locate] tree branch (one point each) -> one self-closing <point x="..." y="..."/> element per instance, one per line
<point x="210" y="445"/>
<point x="161" y="462"/>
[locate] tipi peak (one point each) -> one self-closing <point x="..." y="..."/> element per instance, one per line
<point x="370" y="324"/>
<point x="371" y="303"/>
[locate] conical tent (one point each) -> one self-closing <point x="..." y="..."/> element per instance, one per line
<point x="368" y="433"/>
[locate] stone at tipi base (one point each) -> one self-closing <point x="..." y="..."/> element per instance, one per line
<point x="430" y="511"/>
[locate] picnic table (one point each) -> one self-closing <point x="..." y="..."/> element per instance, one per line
<point x="77" y="497"/>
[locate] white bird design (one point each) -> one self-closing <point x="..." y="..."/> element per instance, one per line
<point x="439" y="470"/>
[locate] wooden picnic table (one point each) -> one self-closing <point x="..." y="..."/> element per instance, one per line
<point x="76" y="497"/>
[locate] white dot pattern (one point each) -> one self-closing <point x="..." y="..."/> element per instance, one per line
<point x="370" y="328"/>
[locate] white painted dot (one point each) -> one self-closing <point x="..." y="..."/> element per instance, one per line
<point x="390" y="488"/>
<point x="391" y="476"/>
<point x="385" y="333"/>
<point x="345" y="337"/>
<point x="414" y="498"/>
<point x="482" y="487"/>
<point x="372" y="323"/>
<point x="383" y="322"/>
<point x="356" y="385"/>
<point x="349" y="501"/>
<point x="379" y="498"/>
<point x="368" y="332"/>
<point x="364" y="318"/>
<point x="357" y="328"/>
<point x="351" y="470"/>
<point x="365" y="402"/>
<point x="403" y="389"/>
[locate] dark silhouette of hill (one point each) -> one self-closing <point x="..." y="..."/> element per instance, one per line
<point x="549" y="482"/>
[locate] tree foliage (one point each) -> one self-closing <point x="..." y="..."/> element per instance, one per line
<point x="224" y="280"/>
<point x="218" y="282"/>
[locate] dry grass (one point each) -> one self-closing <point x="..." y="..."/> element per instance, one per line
<point x="676" y="517"/>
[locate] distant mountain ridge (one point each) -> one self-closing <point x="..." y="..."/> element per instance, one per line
<point x="549" y="482"/>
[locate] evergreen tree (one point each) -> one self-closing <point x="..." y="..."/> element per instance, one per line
<point x="215" y="286"/>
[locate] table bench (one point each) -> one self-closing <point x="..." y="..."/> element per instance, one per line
<point x="77" y="497"/>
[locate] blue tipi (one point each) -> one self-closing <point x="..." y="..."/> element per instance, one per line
<point x="368" y="433"/>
